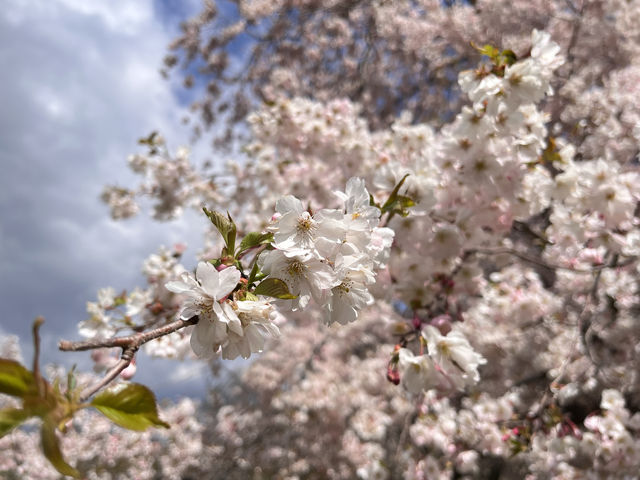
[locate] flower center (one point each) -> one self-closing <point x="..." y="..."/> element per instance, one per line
<point x="305" y="223"/>
<point x="295" y="268"/>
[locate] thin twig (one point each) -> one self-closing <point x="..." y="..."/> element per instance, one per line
<point x="542" y="263"/>
<point x="112" y="374"/>
<point x="36" y="355"/>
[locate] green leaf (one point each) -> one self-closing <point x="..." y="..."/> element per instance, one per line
<point x="254" y="239"/>
<point x="231" y="237"/>
<point x="398" y="203"/>
<point x="551" y="155"/>
<point x="274" y="287"/>
<point x="15" y="379"/>
<point x="148" y="140"/>
<point x="225" y="226"/>
<point x="10" y="418"/>
<point x="393" y="196"/>
<point x="490" y="51"/>
<point x="255" y="274"/>
<point x="508" y="57"/>
<point x="251" y="297"/>
<point x="405" y="202"/>
<point x="133" y="407"/>
<point x="51" y="449"/>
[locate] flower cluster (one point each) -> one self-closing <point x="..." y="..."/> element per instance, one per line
<point x="235" y="327"/>
<point x="329" y="255"/>
<point x="450" y="360"/>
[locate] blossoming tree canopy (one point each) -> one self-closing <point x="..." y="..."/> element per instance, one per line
<point x="444" y="273"/>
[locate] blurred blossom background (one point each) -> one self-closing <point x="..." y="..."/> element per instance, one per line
<point x="501" y="336"/>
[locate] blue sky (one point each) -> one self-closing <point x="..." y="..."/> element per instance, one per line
<point x="79" y="86"/>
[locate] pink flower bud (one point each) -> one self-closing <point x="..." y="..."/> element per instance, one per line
<point x="130" y="371"/>
<point x="179" y="248"/>
<point x="442" y="323"/>
<point x="393" y="375"/>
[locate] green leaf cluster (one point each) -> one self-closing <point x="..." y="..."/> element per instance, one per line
<point x="228" y="230"/>
<point x="270" y="287"/>
<point x="499" y="58"/>
<point x="131" y="406"/>
<point x="39" y="399"/>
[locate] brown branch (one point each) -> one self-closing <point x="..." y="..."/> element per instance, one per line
<point x="129" y="344"/>
<point x="130" y="341"/>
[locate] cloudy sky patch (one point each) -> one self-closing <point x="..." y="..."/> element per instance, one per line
<point x="80" y="85"/>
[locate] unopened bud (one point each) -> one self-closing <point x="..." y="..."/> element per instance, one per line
<point x="178" y="249"/>
<point x="393" y="375"/>
<point x="130" y="371"/>
<point x="442" y="323"/>
<point x="156" y="308"/>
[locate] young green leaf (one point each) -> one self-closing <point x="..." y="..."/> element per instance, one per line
<point x="251" y="297"/>
<point x="133" y="407"/>
<point x="10" y="418"/>
<point x="255" y="274"/>
<point x="51" y="449"/>
<point x="225" y="226"/>
<point x="393" y="196"/>
<point x="255" y="239"/>
<point x="231" y="236"/>
<point x="398" y="203"/>
<point x="490" y="51"/>
<point x="509" y="57"/>
<point x="15" y="379"/>
<point x="274" y="287"/>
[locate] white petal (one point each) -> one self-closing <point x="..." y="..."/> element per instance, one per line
<point x="229" y="278"/>
<point x="255" y="338"/>
<point x="177" y="286"/>
<point x="289" y="203"/>
<point x="208" y="276"/>
<point x="202" y="340"/>
<point x="232" y="319"/>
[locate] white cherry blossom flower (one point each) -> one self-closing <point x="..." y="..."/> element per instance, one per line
<point x="357" y="202"/>
<point x="351" y="295"/>
<point x="454" y="355"/>
<point x="545" y="52"/>
<point x="306" y="275"/>
<point x="417" y="372"/>
<point x="203" y="294"/>
<point x="257" y="325"/>
<point x="297" y="228"/>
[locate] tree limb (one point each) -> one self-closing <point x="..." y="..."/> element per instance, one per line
<point x="129" y="344"/>
<point x="130" y="341"/>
